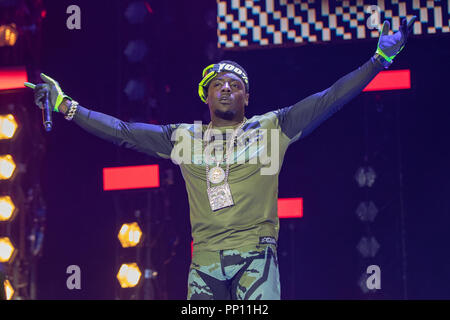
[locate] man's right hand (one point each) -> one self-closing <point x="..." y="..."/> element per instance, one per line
<point x="50" y="86"/>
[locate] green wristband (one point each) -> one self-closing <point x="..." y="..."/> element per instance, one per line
<point x="381" y="53"/>
<point x="59" y="100"/>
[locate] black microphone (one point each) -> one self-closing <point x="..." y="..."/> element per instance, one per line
<point x="46" y="113"/>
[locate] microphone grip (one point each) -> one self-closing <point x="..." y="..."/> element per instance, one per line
<point x="46" y="114"/>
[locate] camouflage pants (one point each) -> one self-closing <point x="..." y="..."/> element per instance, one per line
<point x="247" y="273"/>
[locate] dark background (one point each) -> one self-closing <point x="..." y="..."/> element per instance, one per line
<point x="401" y="134"/>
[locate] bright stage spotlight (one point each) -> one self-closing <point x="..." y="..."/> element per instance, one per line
<point x="129" y="275"/>
<point x="8" y="35"/>
<point x="7" y="167"/>
<point x="7" y="208"/>
<point x="9" y="290"/>
<point x="8" y="126"/>
<point x="130" y="235"/>
<point x="7" y="250"/>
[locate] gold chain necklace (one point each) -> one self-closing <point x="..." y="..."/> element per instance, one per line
<point x="220" y="196"/>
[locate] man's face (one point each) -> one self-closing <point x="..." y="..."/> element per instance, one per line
<point x="227" y="96"/>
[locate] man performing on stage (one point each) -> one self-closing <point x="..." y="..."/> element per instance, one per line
<point x="232" y="188"/>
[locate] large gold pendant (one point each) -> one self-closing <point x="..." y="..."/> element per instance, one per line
<point x="216" y="175"/>
<point x="220" y="197"/>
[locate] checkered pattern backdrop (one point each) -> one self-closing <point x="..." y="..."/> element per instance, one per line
<point x="249" y="23"/>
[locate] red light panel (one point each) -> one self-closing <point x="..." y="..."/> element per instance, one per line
<point x="390" y="80"/>
<point x="290" y="208"/>
<point x="135" y="177"/>
<point x="12" y="78"/>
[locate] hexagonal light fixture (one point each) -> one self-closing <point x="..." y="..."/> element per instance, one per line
<point x="135" y="89"/>
<point x="7" y="208"/>
<point x="136" y="50"/>
<point x="368" y="247"/>
<point x="7" y="167"/>
<point x="129" y="275"/>
<point x="7" y="250"/>
<point x="9" y="290"/>
<point x="365" y="176"/>
<point x="130" y="235"/>
<point x="137" y="12"/>
<point x="366" y="211"/>
<point x="8" y="126"/>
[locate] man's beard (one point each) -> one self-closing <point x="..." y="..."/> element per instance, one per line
<point x="226" y="115"/>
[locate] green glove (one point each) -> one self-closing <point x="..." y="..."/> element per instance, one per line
<point x="50" y="86"/>
<point x="390" y="45"/>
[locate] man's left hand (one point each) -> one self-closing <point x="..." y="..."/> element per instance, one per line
<point x="390" y="45"/>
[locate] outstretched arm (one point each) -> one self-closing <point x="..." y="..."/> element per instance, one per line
<point x="300" y="119"/>
<point x="154" y="140"/>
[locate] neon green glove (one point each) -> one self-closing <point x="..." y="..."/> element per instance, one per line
<point x="56" y="95"/>
<point x="390" y="45"/>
